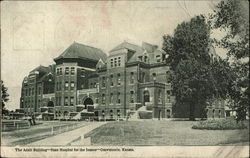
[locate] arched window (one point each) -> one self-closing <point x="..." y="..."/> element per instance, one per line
<point x="146" y="96"/>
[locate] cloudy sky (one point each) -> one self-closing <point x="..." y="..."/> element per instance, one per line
<point x="33" y="33"/>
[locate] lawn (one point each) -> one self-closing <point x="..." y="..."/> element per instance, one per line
<point x="163" y="133"/>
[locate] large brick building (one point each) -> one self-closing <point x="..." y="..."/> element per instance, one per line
<point x="132" y="80"/>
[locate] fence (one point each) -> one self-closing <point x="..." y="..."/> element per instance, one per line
<point x="14" y="125"/>
<point x="64" y="128"/>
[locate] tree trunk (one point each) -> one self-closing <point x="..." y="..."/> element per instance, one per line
<point x="191" y="111"/>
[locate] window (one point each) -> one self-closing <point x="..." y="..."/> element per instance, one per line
<point x="71" y="101"/>
<point x="131" y="96"/>
<point x="60" y="101"/>
<point x="66" y="70"/>
<point x="168" y="96"/>
<point x="66" y="85"/>
<point x="111" y="98"/>
<point x="59" y="85"/>
<point x="72" y="71"/>
<point x="115" y="62"/>
<point x="118" y="97"/>
<point x="39" y="102"/>
<point x="143" y="77"/>
<point x="119" y="79"/>
<point x="159" y="96"/>
<point x="57" y="71"/>
<point x="168" y="76"/>
<point x="103" y="98"/>
<point x="39" y="90"/>
<point x="60" y="71"/>
<point x="140" y="58"/>
<point x="82" y="73"/>
<point x="103" y="82"/>
<point x="29" y="91"/>
<point x="158" y="58"/>
<point x="118" y="113"/>
<point x="119" y="61"/>
<point x="91" y="85"/>
<point x="66" y="101"/>
<point x="154" y="76"/>
<point x="146" y="96"/>
<point x="168" y="92"/>
<point x="111" y="80"/>
<point x="111" y="62"/>
<point x="145" y="59"/>
<point x="72" y="84"/>
<point x="26" y="92"/>
<point x="132" y="78"/>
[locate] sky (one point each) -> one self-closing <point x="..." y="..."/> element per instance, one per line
<point x="34" y="33"/>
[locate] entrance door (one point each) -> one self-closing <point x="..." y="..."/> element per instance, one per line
<point x="146" y="96"/>
<point x="88" y="101"/>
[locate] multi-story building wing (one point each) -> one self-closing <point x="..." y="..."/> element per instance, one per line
<point x="73" y="69"/>
<point x="40" y="81"/>
<point x="133" y="77"/>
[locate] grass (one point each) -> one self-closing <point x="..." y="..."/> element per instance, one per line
<point x="162" y="133"/>
<point x="219" y="124"/>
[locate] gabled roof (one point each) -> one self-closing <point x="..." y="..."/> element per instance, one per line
<point x="149" y="47"/>
<point x="45" y="77"/>
<point x="127" y="45"/>
<point x="77" y="50"/>
<point x="40" y="69"/>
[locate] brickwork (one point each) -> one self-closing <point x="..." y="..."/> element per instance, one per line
<point x="130" y="77"/>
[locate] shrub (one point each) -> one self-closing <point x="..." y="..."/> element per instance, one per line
<point x="145" y="115"/>
<point x="219" y="124"/>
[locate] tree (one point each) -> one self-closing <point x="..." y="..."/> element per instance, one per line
<point x="189" y="59"/>
<point x="197" y="77"/>
<point x="233" y="17"/>
<point x="4" y="95"/>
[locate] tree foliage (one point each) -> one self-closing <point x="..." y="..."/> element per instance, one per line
<point x="196" y="77"/>
<point x="233" y="16"/>
<point x="4" y="95"/>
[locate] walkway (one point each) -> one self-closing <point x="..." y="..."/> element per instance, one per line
<point x="68" y="137"/>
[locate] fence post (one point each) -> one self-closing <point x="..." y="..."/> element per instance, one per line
<point x="52" y="130"/>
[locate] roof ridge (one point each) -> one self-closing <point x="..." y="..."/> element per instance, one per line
<point x="86" y="45"/>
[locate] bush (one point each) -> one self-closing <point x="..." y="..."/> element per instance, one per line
<point x="145" y="115"/>
<point x="219" y="124"/>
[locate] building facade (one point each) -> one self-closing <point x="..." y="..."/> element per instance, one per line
<point x="132" y="81"/>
